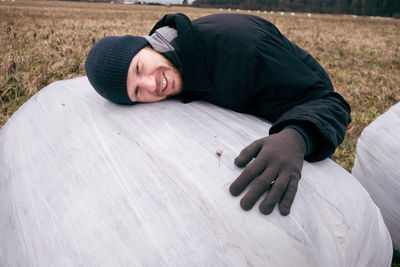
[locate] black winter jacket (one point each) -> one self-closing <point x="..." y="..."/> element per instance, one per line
<point x="244" y="63"/>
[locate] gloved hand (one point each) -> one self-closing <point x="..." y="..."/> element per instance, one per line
<point x="277" y="166"/>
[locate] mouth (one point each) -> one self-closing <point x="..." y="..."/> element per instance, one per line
<point x="164" y="85"/>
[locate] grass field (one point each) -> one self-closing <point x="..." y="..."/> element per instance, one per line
<point x="41" y="42"/>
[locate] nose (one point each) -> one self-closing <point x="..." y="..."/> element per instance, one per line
<point x="148" y="83"/>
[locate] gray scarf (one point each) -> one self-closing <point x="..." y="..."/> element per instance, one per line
<point x="163" y="40"/>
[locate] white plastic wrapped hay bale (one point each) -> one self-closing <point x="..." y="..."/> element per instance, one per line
<point x="85" y="182"/>
<point x="377" y="167"/>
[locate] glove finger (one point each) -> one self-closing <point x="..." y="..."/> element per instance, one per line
<point x="248" y="153"/>
<point x="275" y="194"/>
<point x="249" y="174"/>
<point x="258" y="188"/>
<point x="288" y="197"/>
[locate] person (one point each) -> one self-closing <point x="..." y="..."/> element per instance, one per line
<point x="243" y="63"/>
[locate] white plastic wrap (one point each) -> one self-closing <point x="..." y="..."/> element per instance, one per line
<point x="377" y="167"/>
<point x="85" y="182"/>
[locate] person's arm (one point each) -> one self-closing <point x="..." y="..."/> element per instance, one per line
<point x="325" y="117"/>
<point x="290" y="88"/>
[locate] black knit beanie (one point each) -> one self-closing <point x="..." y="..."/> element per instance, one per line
<point x="107" y="65"/>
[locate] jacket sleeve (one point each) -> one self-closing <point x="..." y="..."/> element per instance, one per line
<point x="325" y="121"/>
<point x="291" y="88"/>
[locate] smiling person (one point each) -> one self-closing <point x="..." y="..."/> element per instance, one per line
<point x="243" y="63"/>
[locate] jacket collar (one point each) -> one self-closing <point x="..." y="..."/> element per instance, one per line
<point x="194" y="62"/>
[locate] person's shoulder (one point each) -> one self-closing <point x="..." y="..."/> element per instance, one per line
<point x="244" y="30"/>
<point x="228" y="18"/>
<point x="235" y="24"/>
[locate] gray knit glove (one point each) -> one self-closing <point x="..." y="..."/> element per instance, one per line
<point x="277" y="166"/>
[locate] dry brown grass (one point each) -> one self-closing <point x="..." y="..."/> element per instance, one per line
<point x="41" y="42"/>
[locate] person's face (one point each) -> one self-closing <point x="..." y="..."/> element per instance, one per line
<point x="152" y="77"/>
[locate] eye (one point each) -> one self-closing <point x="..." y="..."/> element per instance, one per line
<point x="136" y="93"/>
<point x="137" y="88"/>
